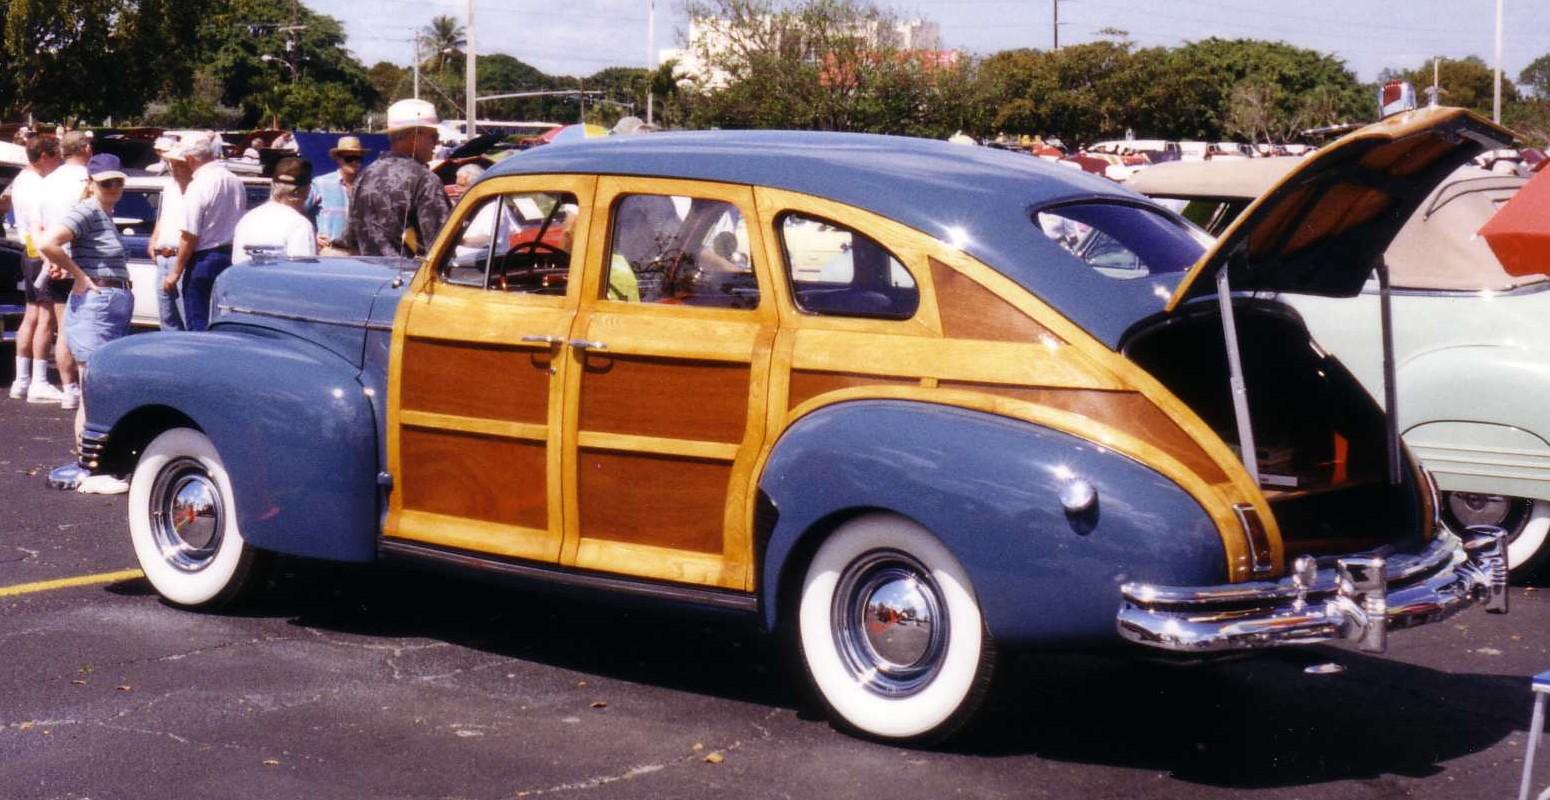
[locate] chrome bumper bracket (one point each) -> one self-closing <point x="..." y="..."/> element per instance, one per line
<point x="1358" y="600"/>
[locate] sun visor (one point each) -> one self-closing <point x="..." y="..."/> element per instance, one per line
<point x="1321" y="228"/>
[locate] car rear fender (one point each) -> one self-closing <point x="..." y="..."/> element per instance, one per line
<point x="288" y="417"/>
<point x="989" y="488"/>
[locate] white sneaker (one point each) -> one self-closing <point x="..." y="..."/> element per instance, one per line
<point x="70" y="399"/>
<point x="19" y="388"/>
<point x="102" y="484"/>
<point x="44" y="393"/>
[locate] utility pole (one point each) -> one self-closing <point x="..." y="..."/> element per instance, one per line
<point x="470" y="102"/>
<point x="1436" y="87"/>
<point x="1055" y="27"/>
<point x="651" y="54"/>
<point x="416" y="66"/>
<point x="1496" y="102"/>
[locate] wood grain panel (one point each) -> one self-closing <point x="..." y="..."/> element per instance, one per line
<point x="677" y="503"/>
<point x="473" y="476"/>
<point x="476" y="380"/>
<point x="1126" y="411"/>
<point x="807" y="384"/>
<point x="670" y="398"/>
<point x="970" y="311"/>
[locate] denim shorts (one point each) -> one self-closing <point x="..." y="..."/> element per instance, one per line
<point x="95" y="318"/>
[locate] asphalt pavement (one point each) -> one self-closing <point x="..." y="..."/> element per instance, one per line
<point x="388" y="682"/>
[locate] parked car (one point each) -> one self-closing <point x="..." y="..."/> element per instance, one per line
<point x="1461" y="323"/>
<point x="135" y="216"/>
<point x="963" y="441"/>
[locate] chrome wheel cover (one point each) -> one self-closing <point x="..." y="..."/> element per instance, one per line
<point x="188" y="516"/>
<point x="890" y="623"/>
<point x="1466" y="509"/>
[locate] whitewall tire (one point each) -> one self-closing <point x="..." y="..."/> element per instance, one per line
<point x="1526" y="521"/>
<point x="183" y="523"/>
<point x="890" y="632"/>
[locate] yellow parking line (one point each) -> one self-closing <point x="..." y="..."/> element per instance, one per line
<point x="65" y="583"/>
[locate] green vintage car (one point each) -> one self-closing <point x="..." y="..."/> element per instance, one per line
<point x="1472" y="343"/>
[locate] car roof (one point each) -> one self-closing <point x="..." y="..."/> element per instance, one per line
<point x="979" y="197"/>
<point x="1228" y="180"/>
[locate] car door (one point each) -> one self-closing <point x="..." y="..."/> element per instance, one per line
<point x="670" y="359"/>
<point x="478" y="375"/>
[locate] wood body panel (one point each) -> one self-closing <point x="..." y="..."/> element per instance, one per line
<point x="807" y="384"/>
<point x="473" y="379"/>
<point x="666" y="502"/>
<point x="663" y="397"/>
<point x="970" y="311"/>
<point x="475" y="477"/>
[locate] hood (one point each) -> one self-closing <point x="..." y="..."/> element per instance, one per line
<point x="326" y="301"/>
<point x="1322" y="227"/>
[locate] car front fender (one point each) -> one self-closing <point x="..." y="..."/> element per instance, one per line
<point x="289" y="419"/>
<point x="989" y="488"/>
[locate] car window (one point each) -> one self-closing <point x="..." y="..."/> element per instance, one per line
<point x="135" y="212"/>
<point x="519" y="242"/>
<point x="1123" y="241"/>
<point x="680" y="250"/>
<point x="836" y="271"/>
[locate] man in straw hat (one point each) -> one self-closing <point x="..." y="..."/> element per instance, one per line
<point x="329" y="202"/>
<point x="399" y="205"/>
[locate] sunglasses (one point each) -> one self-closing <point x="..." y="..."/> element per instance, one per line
<point x="350" y="159"/>
<point x="112" y="183"/>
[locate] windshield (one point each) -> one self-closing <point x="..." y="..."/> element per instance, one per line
<point x="1123" y="241"/>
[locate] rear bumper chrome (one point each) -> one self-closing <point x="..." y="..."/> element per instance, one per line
<point x="1356" y="598"/>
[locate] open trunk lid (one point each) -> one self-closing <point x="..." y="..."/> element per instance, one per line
<point x="1322" y="227"/>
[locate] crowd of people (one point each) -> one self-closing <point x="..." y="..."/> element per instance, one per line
<point x="77" y="284"/>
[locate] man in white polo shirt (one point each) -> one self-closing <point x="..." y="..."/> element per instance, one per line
<point x="278" y="226"/>
<point x="168" y="234"/>
<point x="63" y="190"/>
<point x="212" y="206"/>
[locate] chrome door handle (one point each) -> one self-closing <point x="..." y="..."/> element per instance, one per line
<point x="550" y="340"/>
<point x="584" y="344"/>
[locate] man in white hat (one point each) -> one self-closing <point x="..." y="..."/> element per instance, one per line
<point x="399" y="205"/>
<point x="167" y="236"/>
<point x="329" y="201"/>
<point x="212" y="205"/>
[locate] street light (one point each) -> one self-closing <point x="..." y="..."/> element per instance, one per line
<point x="268" y="59"/>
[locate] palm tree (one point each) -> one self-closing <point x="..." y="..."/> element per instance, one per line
<point x="442" y="39"/>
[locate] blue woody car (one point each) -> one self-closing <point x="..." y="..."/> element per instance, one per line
<point x="913" y="404"/>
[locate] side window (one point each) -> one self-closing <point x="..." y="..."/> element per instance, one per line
<point x="518" y="242"/>
<point x="836" y="271"/>
<point x="1122" y="241"/>
<point x="680" y="250"/>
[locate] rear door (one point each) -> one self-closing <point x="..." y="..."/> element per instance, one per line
<point x="668" y="382"/>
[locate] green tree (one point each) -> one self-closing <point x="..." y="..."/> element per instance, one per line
<point x="1536" y="77"/>
<point x="71" y="59"/>
<point x="389" y="80"/>
<point x="1465" y="82"/>
<point x="441" y="41"/>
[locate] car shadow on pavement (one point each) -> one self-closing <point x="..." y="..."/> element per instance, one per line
<point x="691" y="650"/>
<point x="1251" y="723"/>
<point x="1255" y="722"/>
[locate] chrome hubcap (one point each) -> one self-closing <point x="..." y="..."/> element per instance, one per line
<point x="187" y="515"/>
<point x="890" y="624"/>
<point x="1467" y="509"/>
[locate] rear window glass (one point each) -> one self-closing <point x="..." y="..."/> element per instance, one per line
<point x="1123" y="241"/>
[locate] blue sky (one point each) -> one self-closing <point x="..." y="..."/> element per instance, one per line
<point x="579" y="37"/>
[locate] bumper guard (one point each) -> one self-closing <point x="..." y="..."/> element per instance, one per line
<point x="1356" y="598"/>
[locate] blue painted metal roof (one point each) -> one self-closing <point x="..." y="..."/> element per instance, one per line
<point x="979" y="197"/>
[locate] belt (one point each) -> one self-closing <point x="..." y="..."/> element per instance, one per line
<point x="225" y="248"/>
<point x="113" y="283"/>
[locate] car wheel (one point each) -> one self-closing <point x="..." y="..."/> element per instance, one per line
<point x="183" y="522"/>
<point x="1526" y="521"/>
<point x="891" y="634"/>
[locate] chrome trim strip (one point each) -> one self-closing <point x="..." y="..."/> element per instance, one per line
<point x="295" y="317"/>
<point x="556" y="575"/>
<point x="1528" y="288"/>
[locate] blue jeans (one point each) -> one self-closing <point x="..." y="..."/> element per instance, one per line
<point x="167" y="304"/>
<point x="203" y="269"/>
<point x="92" y="319"/>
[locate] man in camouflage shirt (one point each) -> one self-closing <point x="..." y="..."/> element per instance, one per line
<point x="397" y="194"/>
